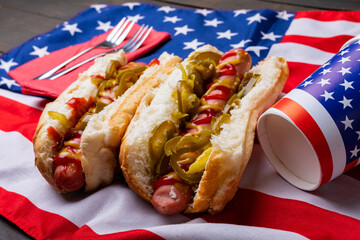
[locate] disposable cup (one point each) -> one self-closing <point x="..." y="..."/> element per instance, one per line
<point x="312" y="134"/>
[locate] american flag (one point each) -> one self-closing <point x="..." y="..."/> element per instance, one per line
<point x="265" y="205"/>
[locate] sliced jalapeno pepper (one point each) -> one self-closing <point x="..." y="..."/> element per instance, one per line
<point x="208" y="55"/>
<point x="126" y="79"/>
<point x="200" y="163"/>
<point x="111" y="69"/>
<point x="61" y="118"/>
<point x="96" y="81"/>
<point x="81" y="125"/>
<point x="161" y="134"/>
<point x="218" y="122"/>
<point x="189" y="178"/>
<point x="192" y="143"/>
<point x="187" y="100"/>
<point x="170" y="146"/>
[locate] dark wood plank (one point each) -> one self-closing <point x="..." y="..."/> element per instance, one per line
<point x="242" y="4"/>
<point x="322" y="4"/>
<point x="10" y="231"/>
<point x="18" y="26"/>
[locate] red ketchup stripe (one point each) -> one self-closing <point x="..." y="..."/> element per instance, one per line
<point x="311" y="130"/>
<point x="41" y="224"/>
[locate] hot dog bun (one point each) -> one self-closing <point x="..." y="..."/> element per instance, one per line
<point x="101" y="138"/>
<point x="105" y="128"/>
<point x="231" y="148"/>
<point x="157" y="106"/>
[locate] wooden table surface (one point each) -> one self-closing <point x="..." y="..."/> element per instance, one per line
<point x="20" y="20"/>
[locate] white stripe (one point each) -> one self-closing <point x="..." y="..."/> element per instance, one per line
<point x="200" y="230"/>
<point x="327" y="126"/>
<point x="314" y="28"/>
<point x="31" y="101"/>
<point x="295" y="52"/>
<point x="340" y="195"/>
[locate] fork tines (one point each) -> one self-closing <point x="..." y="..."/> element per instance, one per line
<point x="136" y="40"/>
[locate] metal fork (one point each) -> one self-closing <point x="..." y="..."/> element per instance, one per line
<point x="116" y="37"/>
<point x="133" y="44"/>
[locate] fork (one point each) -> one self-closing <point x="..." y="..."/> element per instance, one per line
<point x="133" y="44"/>
<point x="116" y="37"/>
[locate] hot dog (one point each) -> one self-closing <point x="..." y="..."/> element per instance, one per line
<point x="197" y="130"/>
<point x="77" y="139"/>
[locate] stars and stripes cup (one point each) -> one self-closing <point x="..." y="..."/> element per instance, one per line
<point x="312" y="134"/>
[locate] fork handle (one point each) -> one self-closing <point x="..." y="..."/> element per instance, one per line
<point x="59" y="74"/>
<point x="47" y="74"/>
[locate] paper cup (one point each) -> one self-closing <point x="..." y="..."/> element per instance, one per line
<point x="312" y="135"/>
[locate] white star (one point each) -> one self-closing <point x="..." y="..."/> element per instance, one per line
<point x="240" y="11"/>
<point x="325" y="64"/>
<point x="308" y="82"/>
<point x="194" y="44"/>
<point x="347" y="122"/>
<point x="346" y="102"/>
<point x="343" y="71"/>
<point x="324" y="82"/>
<point x="172" y="19"/>
<point x="204" y="12"/>
<point x="347" y="84"/>
<point x="98" y="7"/>
<point x="284" y="15"/>
<point x="8" y="82"/>
<point x="166" y="9"/>
<point x="354" y="152"/>
<point x="344" y="51"/>
<point x="256" y="49"/>
<point x="131" y="5"/>
<point x="183" y="30"/>
<point x="40" y="52"/>
<point x="228" y="34"/>
<point x="327" y="95"/>
<point x="345" y="59"/>
<point x="213" y="23"/>
<point x="269" y="36"/>
<point x="104" y="26"/>
<point x="135" y="18"/>
<point x="7" y="65"/>
<point x="72" y="28"/>
<point x="257" y="17"/>
<point x="358" y="133"/>
<point x="241" y="44"/>
<point x="325" y="71"/>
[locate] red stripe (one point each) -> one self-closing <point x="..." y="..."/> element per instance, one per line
<point x="352" y="16"/>
<point x="253" y="208"/>
<point x="18" y="117"/>
<point x="351" y="165"/>
<point x="329" y="44"/>
<point x="309" y="127"/>
<point x="41" y="224"/>
<point x="298" y="72"/>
